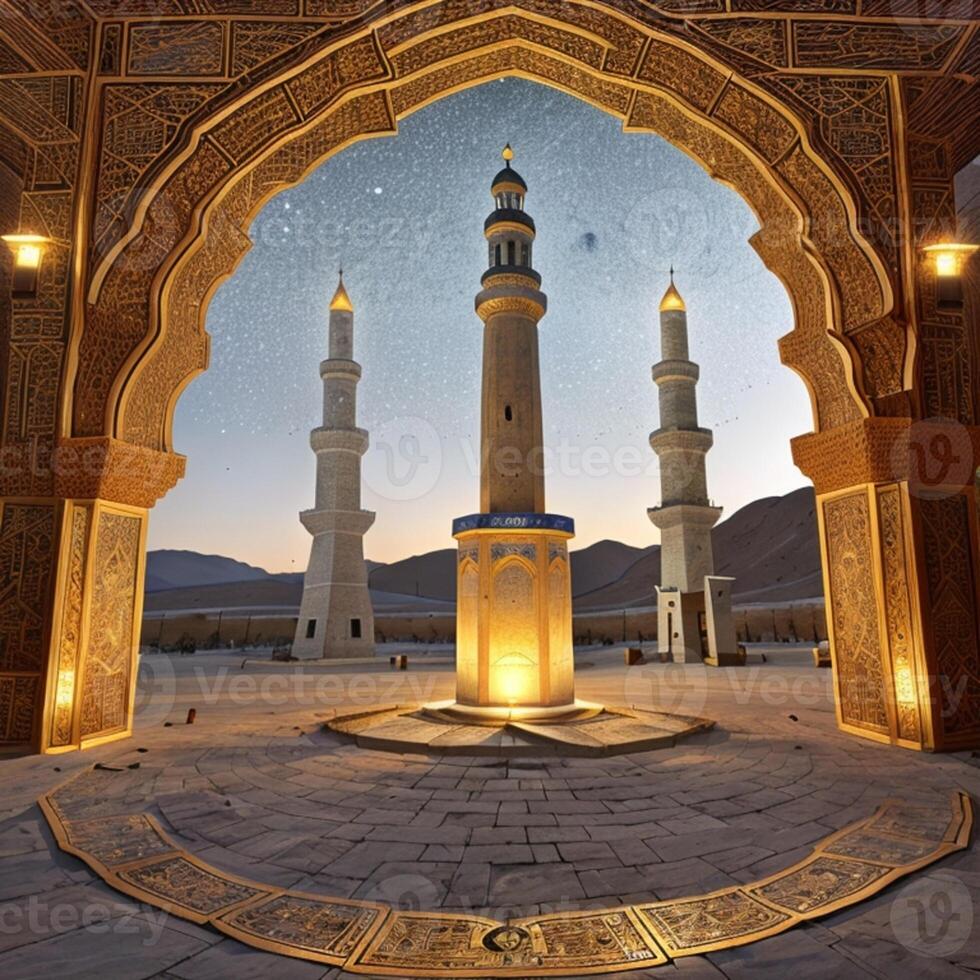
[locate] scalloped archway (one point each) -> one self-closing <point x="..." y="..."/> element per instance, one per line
<point x="819" y="150"/>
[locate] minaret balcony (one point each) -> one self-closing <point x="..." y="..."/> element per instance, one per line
<point x="696" y="440"/>
<point x="687" y="513"/>
<point x="510" y="216"/>
<point x="505" y="275"/>
<point x="339" y="441"/>
<point x="340" y="367"/>
<point x="507" y="297"/>
<point x="337" y="521"/>
<point x="676" y="370"/>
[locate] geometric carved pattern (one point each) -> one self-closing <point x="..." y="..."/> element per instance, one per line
<point x="700" y="923"/>
<point x="332" y="930"/>
<point x="949" y="574"/>
<point x="71" y="627"/>
<point x="464" y="945"/>
<point x="118" y="840"/>
<point x="823" y="881"/>
<point x="898" y="613"/>
<point x="108" y="662"/>
<point x="850" y="562"/>
<point x="132" y="854"/>
<point x="183" y="885"/>
<point x="27" y="542"/>
<point x="797" y="112"/>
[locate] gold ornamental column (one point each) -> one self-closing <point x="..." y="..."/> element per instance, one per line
<point x="86" y="570"/>
<point x="898" y="536"/>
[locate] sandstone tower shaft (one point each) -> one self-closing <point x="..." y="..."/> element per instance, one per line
<point x="336" y="618"/>
<point x="511" y="304"/>
<point x="685" y="516"/>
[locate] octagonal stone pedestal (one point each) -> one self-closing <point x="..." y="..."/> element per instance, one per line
<point x="589" y="730"/>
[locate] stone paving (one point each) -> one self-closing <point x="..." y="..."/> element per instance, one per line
<point x="257" y="789"/>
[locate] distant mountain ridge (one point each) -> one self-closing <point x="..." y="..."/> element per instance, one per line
<point x="770" y="546"/>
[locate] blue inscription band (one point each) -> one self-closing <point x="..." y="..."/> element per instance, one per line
<point x="514" y="522"/>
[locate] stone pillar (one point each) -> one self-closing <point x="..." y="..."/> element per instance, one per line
<point x="73" y="564"/>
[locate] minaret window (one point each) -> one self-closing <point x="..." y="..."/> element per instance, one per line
<point x="496" y="254"/>
<point x="508" y="413"/>
<point x="525" y="255"/>
<point x="512" y="253"/>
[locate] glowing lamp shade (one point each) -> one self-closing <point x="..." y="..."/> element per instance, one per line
<point x="28" y="251"/>
<point x="949" y="260"/>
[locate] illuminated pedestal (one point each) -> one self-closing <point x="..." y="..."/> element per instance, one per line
<point x="514" y="653"/>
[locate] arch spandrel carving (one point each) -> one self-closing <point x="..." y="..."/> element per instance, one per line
<point x="416" y="69"/>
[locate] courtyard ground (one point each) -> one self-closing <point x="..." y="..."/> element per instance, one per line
<point x="255" y="788"/>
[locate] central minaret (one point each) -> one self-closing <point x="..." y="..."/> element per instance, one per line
<point x="514" y="616"/>
<point x="335" y="617"/>
<point x="694" y="605"/>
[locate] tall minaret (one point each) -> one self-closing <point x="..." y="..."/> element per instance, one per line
<point x="335" y="617"/>
<point x="689" y="588"/>
<point x="514" y="616"/>
<point x="511" y="304"/>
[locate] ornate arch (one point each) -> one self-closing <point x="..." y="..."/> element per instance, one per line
<point x="152" y="131"/>
<point x="144" y="338"/>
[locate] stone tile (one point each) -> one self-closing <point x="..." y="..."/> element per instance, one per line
<point x="232" y="959"/>
<point x="792" y="954"/>
<point x="532" y="884"/>
<point x="140" y="947"/>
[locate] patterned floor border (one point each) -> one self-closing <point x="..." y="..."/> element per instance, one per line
<point x="132" y="853"/>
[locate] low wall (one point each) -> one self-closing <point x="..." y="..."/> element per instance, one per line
<point x="803" y="621"/>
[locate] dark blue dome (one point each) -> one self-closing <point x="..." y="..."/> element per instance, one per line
<point x="509" y="176"/>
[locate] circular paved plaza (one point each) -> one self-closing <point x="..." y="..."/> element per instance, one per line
<point x="258" y="789"/>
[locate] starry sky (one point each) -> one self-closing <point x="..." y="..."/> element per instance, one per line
<point x="404" y="215"/>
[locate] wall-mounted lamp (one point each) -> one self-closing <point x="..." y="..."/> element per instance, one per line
<point x="28" y="251"/>
<point x="949" y="260"/>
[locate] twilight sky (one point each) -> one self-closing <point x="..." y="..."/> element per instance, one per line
<point x="405" y="217"/>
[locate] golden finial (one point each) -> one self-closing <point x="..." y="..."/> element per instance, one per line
<point x="341" y="301"/>
<point x="508" y="154"/>
<point x="672" y="298"/>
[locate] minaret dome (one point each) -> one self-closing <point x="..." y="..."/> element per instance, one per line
<point x="508" y="187"/>
<point x="672" y="299"/>
<point x="341" y="301"/>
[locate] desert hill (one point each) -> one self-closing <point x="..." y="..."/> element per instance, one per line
<point x="770" y="546"/>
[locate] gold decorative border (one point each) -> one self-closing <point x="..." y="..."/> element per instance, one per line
<point x="659" y="931"/>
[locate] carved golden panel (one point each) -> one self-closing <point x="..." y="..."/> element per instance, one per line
<point x="106" y="677"/>
<point x="819" y="885"/>
<point x="183" y="886"/>
<point x="682" y="73"/>
<point x="118" y="840"/>
<point x="185" y="48"/>
<point x="873" y="46"/>
<point x="453" y="945"/>
<point x="898" y="612"/>
<point x="326" y="929"/>
<point x="949" y="573"/>
<point x="69" y="650"/>
<point x="717" y="921"/>
<point x="437" y="49"/>
<point x="853" y="611"/>
<point x="27" y="559"/>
